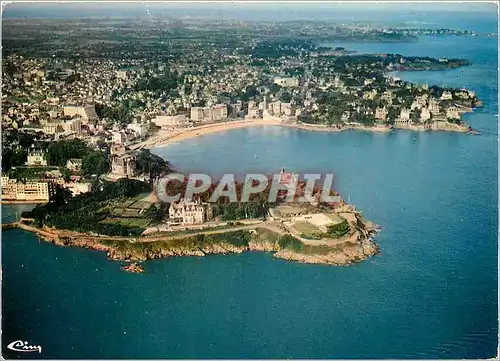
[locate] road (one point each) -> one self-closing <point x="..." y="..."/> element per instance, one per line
<point x="52" y="234"/>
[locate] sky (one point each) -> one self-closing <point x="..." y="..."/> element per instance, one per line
<point x="236" y="10"/>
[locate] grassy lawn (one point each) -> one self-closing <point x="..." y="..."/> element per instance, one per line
<point x="286" y="211"/>
<point x="335" y="218"/>
<point x="180" y="232"/>
<point x="129" y="212"/>
<point x="128" y="203"/>
<point x="130" y="222"/>
<point x="141" y="196"/>
<point x="268" y="235"/>
<point x="125" y="207"/>
<point x="339" y="229"/>
<point x="125" y="212"/>
<point x="139" y="205"/>
<point x="305" y="228"/>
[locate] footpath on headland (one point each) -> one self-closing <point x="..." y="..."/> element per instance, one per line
<point x="265" y="236"/>
<point x="52" y="234"/>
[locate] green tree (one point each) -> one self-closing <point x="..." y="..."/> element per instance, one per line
<point x="66" y="174"/>
<point x="151" y="164"/>
<point x="59" y="152"/>
<point x="338" y="230"/>
<point x="251" y="91"/>
<point x="285" y="97"/>
<point x="95" y="162"/>
<point x="13" y="158"/>
<point x="59" y="198"/>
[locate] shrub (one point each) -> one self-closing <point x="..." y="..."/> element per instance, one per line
<point x="290" y="243"/>
<point x="338" y="230"/>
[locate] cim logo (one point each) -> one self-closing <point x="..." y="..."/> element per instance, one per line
<point x="23" y="346"/>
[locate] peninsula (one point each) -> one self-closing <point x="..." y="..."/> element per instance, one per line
<point x="130" y="225"/>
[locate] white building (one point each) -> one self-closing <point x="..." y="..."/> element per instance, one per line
<point x="370" y="94"/>
<point x="381" y="114"/>
<point x="73" y="126"/>
<point x="275" y="108"/>
<point x="387" y="96"/>
<point x="170" y="121"/>
<point x="36" y="158"/>
<point x="425" y="115"/>
<point x="74" y="164"/>
<point x="117" y="149"/>
<point x="415" y="105"/>
<point x="122" y="74"/>
<point x="189" y="212"/>
<point x="287" y="109"/>
<point x="33" y="190"/>
<point x="254" y="113"/>
<point x="213" y="113"/>
<point x="404" y="115"/>
<point x="446" y="95"/>
<point x="86" y="112"/>
<point x="53" y="114"/>
<point x="119" y="137"/>
<point x="50" y="128"/>
<point x="123" y="165"/>
<point x="287" y="81"/>
<point x="78" y="188"/>
<point x="140" y="129"/>
<point x="434" y="107"/>
<point x="337" y="83"/>
<point x="421" y="100"/>
<point x="452" y="113"/>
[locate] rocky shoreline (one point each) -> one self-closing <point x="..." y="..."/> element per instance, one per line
<point x="357" y="246"/>
<point x="133" y="268"/>
<point x="339" y="257"/>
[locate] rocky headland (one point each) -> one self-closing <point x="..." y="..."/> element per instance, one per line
<point x="355" y="246"/>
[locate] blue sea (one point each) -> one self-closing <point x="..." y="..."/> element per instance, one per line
<point x="430" y="293"/>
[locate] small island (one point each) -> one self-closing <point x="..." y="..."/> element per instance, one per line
<point x="133" y="268"/>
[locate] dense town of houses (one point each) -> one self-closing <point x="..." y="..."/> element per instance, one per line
<point x="60" y="99"/>
<point x="38" y="98"/>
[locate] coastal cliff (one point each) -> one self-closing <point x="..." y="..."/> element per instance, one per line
<point x="356" y="246"/>
<point x="338" y="256"/>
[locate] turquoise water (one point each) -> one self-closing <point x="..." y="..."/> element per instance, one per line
<point x="431" y="293"/>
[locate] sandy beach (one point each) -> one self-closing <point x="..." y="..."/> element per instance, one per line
<point x="215" y="128"/>
<point x="163" y="137"/>
<point x="166" y="136"/>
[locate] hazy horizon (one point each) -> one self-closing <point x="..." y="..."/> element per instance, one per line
<point x="238" y="11"/>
